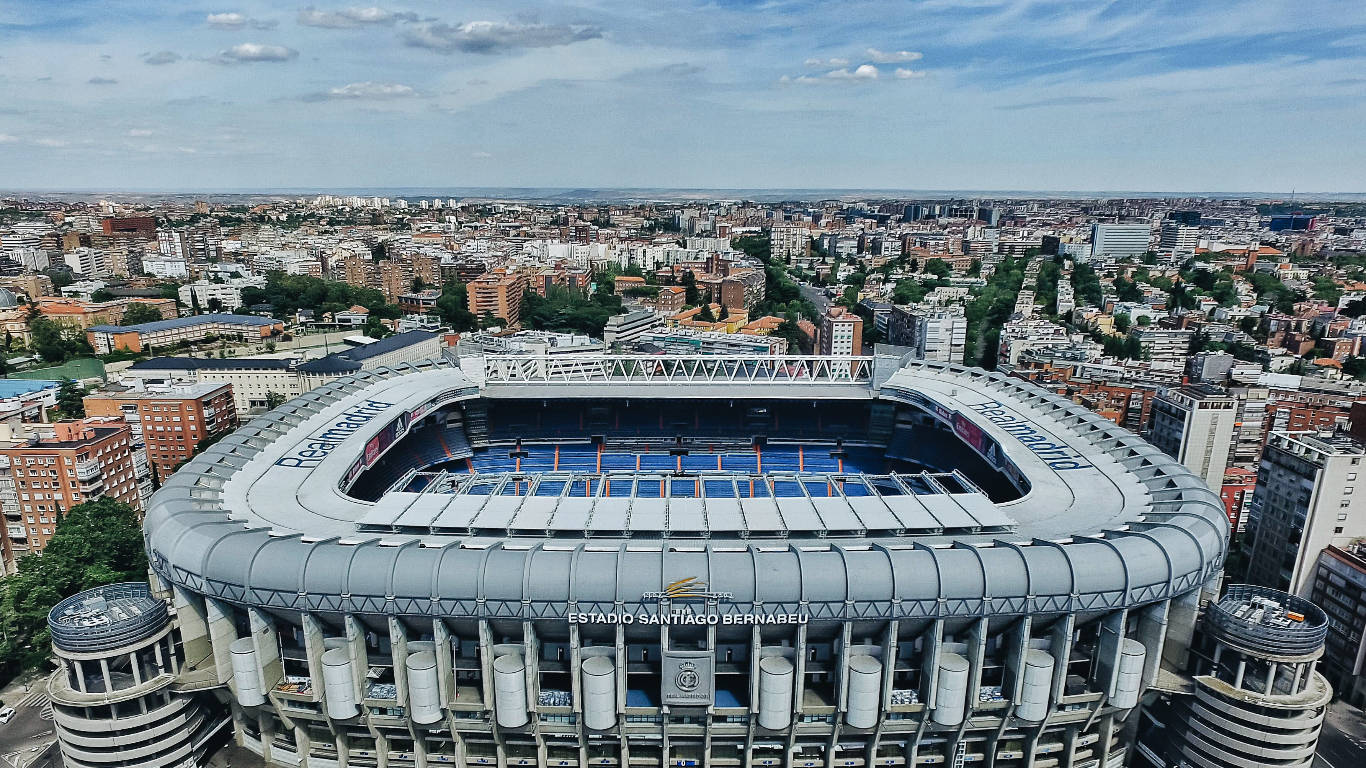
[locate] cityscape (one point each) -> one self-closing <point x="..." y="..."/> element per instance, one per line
<point x="724" y="384"/>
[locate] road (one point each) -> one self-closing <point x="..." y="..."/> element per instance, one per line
<point x="1342" y="743"/>
<point x="816" y="296"/>
<point x="24" y="740"/>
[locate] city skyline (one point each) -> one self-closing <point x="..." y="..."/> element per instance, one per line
<point x="932" y="95"/>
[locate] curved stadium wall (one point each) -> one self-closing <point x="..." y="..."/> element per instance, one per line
<point x="683" y="561"/>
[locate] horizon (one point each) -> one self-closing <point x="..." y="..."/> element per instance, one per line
<point x="710" y="95"/>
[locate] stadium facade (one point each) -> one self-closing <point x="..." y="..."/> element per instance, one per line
<point x="683" y="561"/>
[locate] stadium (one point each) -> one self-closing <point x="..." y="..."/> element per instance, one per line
<point x="722" y="561"/>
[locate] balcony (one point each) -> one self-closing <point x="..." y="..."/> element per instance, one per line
<point x="87" y="471"/>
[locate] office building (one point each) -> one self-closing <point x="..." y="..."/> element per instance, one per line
<point x="1110" y="242"/>
<point x="1178" y="238"/>
<point x="629" y="326"/>
<point x="1194" y="425"/>
<point x="1305" y="501"/>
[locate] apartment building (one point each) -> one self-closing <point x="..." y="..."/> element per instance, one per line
<point x="170" y="421"/>
<point x="790" y="244"/>
<point x="1305" y="501"/>
<point x="934" y="334"/>
<point x="1339" y="588"/>
<point x="46" y="469"/>
<point x="841" y="333"/>
<point x="1194" y="425"/>
<point x="497" y="295"/>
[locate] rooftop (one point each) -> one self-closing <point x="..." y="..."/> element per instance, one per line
<point x="106" y="617"/>
<point x="211" y="364"/>
<point x="351" y="360"/>
<point x="187" y="322"/>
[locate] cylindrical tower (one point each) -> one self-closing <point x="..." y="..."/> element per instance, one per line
<point x="113" y="695"/>
<point x="1259" y="700"/>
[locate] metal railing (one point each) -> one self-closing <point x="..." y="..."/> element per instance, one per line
<point x="1240" y="621"/>
<point x="682" y="369"/>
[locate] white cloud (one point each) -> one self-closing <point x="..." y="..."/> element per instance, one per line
<point x="481" y="156"/>
<point x="863" y="72"/>
<point x="893" y="57"/>
<point x="235" y="20"/>
<point x="349" y="18"/>
<point x="139" y="132"/>
<point x="102" y="81"/>
<point x="6" y="138"/>
<point x="825" y="63"/>
<point x="160" y="57"/>
<point x="496" y="36"/>
<point x="50" y="143"/>
<point x="364" y="91"/>
<point x="249" y="52"/>
<point x="908" y="74"/>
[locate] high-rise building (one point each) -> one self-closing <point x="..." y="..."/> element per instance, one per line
<point x="841" y="332"/>
<point x="171" y="421"/>
<point x="1251" y="695"/>
<point x="1178" y="238"/>
<point x="790" y="244"/>
<point x="497" y="295"/>
<point x="54" y="467"/>
<point x="1339" y="588"/>
<point x="1194" y="425"/>
<point x="934" y="334"/>
<point x="1118" y="241"/>
<point x="1305" y="501"/>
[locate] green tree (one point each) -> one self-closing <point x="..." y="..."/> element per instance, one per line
<point x="96" y="543"/>
<point x="274" y="400"/>
<point x="1122" y="322"/>
<point x="706" y="315"/>
<point x="101" y="295"/>
<point x="138" y="313"/>
<point x="46" y="339"/>
<point x="691" y="296"/>
<point x="71" y="400"/>
<point x="453" y="307"/>
<point x="938" y="267"/>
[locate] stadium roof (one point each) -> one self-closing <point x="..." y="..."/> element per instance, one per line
<point x="1108" y="520"/>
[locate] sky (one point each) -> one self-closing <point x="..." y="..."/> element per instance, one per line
<point x="1154" y="95"/>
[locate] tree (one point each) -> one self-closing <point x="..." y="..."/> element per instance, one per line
<point x="1122" y="322"/>
<point x="46" y="339"/>
<point x="691" y="296"/>
<point x="194" y="301"/>
<point x="274" y="400"/>
<point x="71" y="400"/>
<point x="938" y="267"/>
<point x="137" y="313"/>
<point x="706" y="315"/>
<point x="101" y="295"/>
<point x="453" y="307"/>
<point x="96" y="543"/>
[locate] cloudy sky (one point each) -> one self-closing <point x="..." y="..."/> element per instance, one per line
<point x="1162" y="95"/>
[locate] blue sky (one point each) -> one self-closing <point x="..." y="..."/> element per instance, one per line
<point x="1161" y="95"/>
